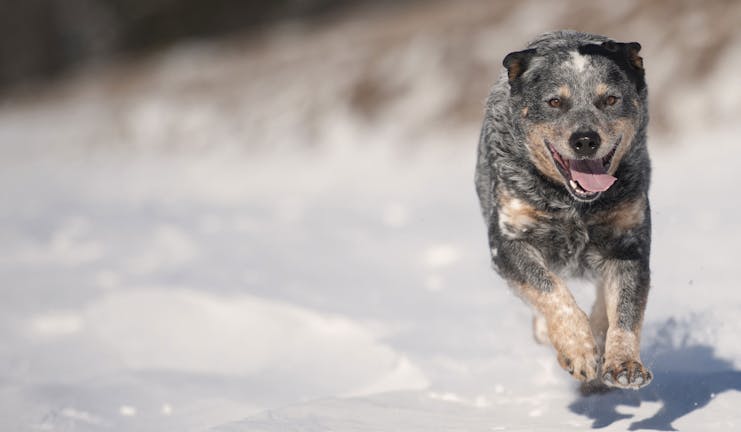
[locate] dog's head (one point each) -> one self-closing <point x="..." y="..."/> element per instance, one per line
<point x="578" y="109"/>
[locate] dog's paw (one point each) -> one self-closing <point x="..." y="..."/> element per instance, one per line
<point x="628" y="374"/>
<point x="572" y="338"/>
<point x="582" y="363"/>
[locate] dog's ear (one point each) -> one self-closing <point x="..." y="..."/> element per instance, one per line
<point x="625" y="56"/>
<point x="628" y="50"/>
<point x="517" y="63"/>
<point x="632" y="49"/>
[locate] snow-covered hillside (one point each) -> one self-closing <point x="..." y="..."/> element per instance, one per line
<point x="245" y="238"/>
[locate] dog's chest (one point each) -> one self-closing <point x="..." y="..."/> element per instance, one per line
<point x="561" y="237"/>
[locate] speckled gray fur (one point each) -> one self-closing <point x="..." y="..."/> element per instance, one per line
<point x="572" y="236"/>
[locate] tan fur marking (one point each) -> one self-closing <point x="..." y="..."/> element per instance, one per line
<point x="514" y="70"/>
<point x="620" y="344"/>
<point x="524" y="112"/>
<point x="624" y="216"/>
<point x="567" y="327"/>
<point x="601" y="89"/>
<point x="515" y="215"/>
<point x="636" y="59"/>
<point x="564" y="91"/>
<point x="539" y="152"/>
<point x="624" y="128"/>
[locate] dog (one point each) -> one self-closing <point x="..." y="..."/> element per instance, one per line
<point x="562" y="175"/>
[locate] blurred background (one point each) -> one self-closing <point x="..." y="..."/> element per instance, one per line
<point x="263" y="67"/>
<point x="213" y="209"/>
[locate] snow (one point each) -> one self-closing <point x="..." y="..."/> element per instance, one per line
<point x="352" y="306"/>
<point x="176" y="259"/>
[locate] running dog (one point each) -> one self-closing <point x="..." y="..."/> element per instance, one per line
<point x="562" y="176"/>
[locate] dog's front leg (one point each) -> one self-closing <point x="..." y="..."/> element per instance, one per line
<point x="625" y="284"/>
<point x="568" y="326"/>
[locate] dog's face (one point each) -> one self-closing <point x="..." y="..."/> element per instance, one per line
<point x="578" y="110"/>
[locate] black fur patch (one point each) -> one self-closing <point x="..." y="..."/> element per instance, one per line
<point x="624" y="55"/>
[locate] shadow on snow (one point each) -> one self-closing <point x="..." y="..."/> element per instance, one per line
<point x="686" y="378"/>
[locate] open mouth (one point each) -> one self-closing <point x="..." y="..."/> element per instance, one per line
<point x="586" y="178"/>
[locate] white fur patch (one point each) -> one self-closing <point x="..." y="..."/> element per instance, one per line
<point x="516" y="204"/>
<point x="515" y="218"/>
<point x="578" y="61"/>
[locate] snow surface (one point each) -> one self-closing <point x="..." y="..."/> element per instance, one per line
<point x="361" y="304"/>
<point x="162" y="272"/>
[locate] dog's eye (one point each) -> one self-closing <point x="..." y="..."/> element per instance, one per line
<point x="555" y="103"/>
<point x="611" y="100"/>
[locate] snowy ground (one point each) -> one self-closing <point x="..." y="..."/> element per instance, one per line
<point x="175" y="255"/>
<point x="202" y="297"/>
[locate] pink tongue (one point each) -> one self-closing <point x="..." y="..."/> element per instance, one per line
<point x="591" y="175"/>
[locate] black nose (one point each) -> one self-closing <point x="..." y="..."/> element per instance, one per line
<point x="585" y="143"/>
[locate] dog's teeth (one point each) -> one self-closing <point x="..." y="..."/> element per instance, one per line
<point x="573" y="184"/>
